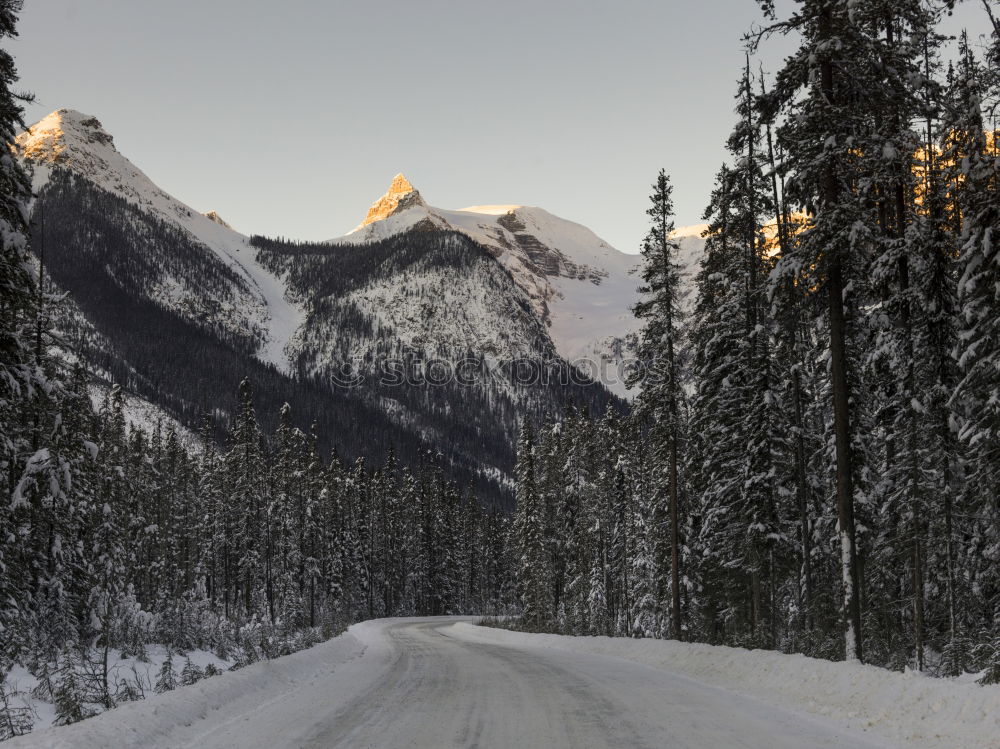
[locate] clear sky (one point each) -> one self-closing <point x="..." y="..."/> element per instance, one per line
<point x="289" y="117"/>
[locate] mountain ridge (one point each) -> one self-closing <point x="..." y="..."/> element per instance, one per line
<point x="581" y="287"/>
<point x="70" y="139"/>
<point x="178" y="307"/>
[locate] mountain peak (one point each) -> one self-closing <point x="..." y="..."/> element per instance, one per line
<point x="401" y="195"/>
<point x="55" y="137"/>
<point x="400" y="185"/>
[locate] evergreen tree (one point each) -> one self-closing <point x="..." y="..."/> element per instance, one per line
<point x="659" y="401"/>
<point x="166" y="679"/>
<point x="68" y="696"/>
<point x="822" y="84"/>
<point x="191" y="673"/>
<point x="738" y="425"/>
<point x="244" y="464"/>
<point x="971" y="158"/>
<point x="533" y="569"/>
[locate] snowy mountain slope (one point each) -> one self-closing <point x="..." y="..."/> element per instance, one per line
<point x="580" y="286"/>
<point x="69" y="140"/>
<point x="457" y="312"/>
<point x="692" y="247"/>
<point x="436" y="307"/>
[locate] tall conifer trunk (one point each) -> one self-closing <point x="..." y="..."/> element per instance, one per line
<point x="840" y="383"/>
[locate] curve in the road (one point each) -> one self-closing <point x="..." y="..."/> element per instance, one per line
<point x="437" y="691"/>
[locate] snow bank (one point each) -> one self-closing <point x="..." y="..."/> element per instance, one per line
<point x="910" y="709"/>
<point x="180" y="717"/>
<point x="142" y="674"/>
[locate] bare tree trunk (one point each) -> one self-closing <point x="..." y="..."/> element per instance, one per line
<point x="845" y="478"/>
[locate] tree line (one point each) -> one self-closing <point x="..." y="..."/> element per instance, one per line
<point x="811" y="463"/>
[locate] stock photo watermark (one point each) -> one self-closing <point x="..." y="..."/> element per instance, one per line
<point x="471" y="372"/>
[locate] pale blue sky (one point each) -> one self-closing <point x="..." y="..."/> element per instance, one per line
<point x="289" y="117"/>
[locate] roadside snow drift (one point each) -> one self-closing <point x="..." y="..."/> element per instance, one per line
<point x="302" y="684"/>
<point x="910" y="709"/>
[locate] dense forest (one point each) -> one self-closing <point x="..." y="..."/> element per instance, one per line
<point x="812" y="462"/>
<point x="118" y="538"/>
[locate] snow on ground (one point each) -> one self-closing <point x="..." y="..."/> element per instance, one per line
<point x="141" y="414"/>
<point x="428" y="683"/>
<point x="440" y="682"/>
<point x="143" y="674"/>
<point x="911" y="709"/>
<point x="185" y="716"/>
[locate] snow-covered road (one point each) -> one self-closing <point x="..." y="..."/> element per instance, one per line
<point x="436" y="688"/>
<point x="438" y="683"/>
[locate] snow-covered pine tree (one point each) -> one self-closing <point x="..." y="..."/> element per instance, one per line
<point x="69" y="696"/>
<point x="658" y="404"/>
<point x="248" y="505"/>
<point x="792" y="348"/>
<point x="550" y="483"/>
<point x="17" y="289"/>
<point x="166" y="678"/>
<point x="822" y="89"/>
<point x="609" y="532"/>
<point x="970" y="154"/>
<point x="213" y="519"/>
<point x="534" y="571"/>
<point x="587" y="596"/>
<point x="337" y="556"/>
<point x="738" y="444"/>
<point x="37" y="451"/>
<point x="609" y="535"/>
<point x="314" y="534"/>
<point x="105" y="553"/>
<point x="284" y="563"/>
<point x="938" y="371"/>
<point x="192" y="673"/>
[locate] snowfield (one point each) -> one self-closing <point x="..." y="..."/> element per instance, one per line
<point x="444" y="682"/>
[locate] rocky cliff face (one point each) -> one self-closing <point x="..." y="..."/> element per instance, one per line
<point x="215" y="217"/>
